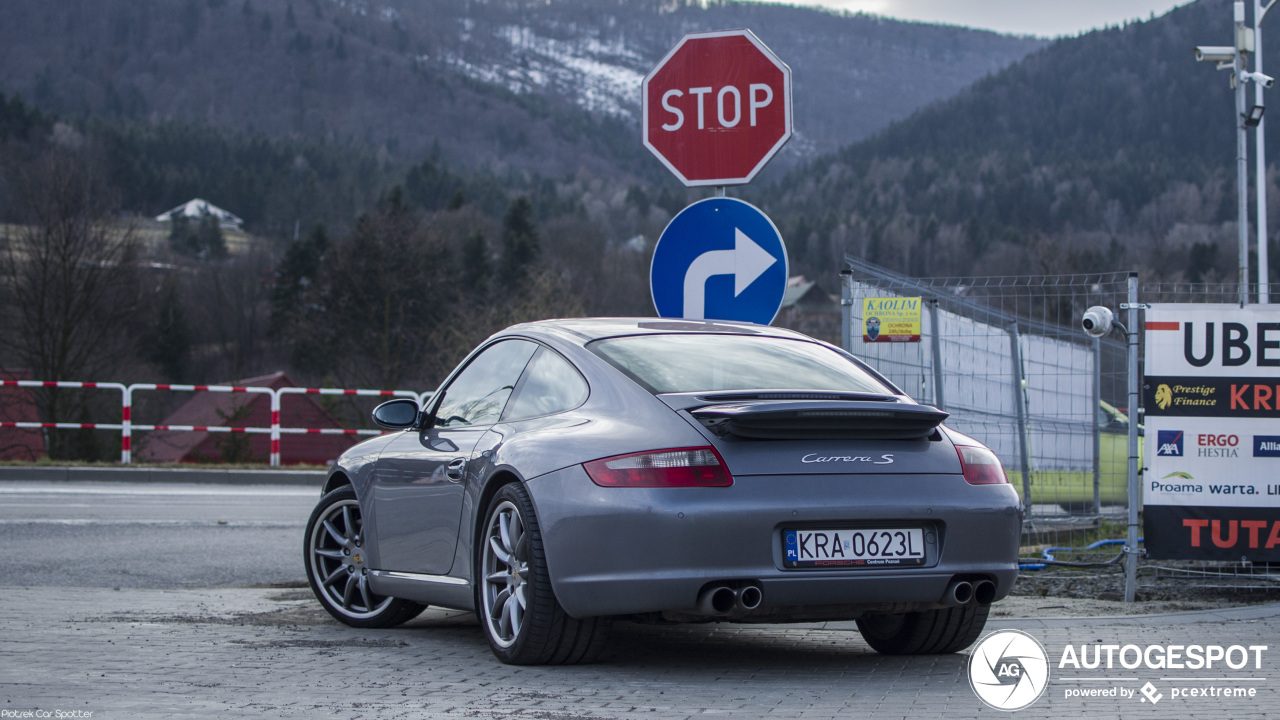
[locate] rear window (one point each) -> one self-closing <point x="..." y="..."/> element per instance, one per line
<point x="705" y="363"/>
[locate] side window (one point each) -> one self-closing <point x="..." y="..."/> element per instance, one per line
<point x="550" y="385"/>
<point x="478" y="394"/>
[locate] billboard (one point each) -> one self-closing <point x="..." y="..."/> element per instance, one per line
<point x="1211" y="488"/>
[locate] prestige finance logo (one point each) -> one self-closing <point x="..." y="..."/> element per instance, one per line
<point x="1009" y="670"/>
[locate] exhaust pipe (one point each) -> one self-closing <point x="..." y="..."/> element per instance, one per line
<point x="717" y="600"/>
<point x="984" y="592"/>
<point x="748" y="597"/>
<point x="958" y="592"/>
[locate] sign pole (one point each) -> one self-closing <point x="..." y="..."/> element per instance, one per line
<point x="1131" y="541"/>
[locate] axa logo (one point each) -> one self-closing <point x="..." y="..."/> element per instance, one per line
<point x="1169" y="442"/>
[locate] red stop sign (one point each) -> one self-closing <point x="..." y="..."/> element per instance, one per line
<point x="717" y="108"/>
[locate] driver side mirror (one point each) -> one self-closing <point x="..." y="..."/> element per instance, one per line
<point x="398" y="414"/>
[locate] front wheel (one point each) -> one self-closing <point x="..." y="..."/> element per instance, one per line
<point x="928" y="632"/>
<point x="522" y="619"/>
<point x="337" y="567"/>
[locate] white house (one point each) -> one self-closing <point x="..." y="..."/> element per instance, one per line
<point x="197" y="209"/>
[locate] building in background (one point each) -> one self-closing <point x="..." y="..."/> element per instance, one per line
<point x="207" y="409"/>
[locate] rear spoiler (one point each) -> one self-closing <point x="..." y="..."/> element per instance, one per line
<point x="880" y="419"/>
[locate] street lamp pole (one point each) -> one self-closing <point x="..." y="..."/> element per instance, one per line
<point x="1242" y="149"/>
<point x="1235" y="58"/>
<point x="1264" y="290"/>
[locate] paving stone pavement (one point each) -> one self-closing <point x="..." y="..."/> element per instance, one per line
<point x="274" y="653"/>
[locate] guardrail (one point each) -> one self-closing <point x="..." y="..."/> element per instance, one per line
<point x="126" y="426"/>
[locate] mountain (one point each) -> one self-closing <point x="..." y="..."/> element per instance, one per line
<point x="544" y="87"/>
<point x="1110" y="150"/>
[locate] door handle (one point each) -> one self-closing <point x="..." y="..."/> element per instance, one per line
<point x="455" y="468"/>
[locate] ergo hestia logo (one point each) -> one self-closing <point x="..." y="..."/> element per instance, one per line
<point x="1009" y="670"/>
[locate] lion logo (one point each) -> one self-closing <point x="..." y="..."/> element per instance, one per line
<point x="1164" y="397"/>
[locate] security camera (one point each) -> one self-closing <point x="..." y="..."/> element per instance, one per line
<point x="1265" y="81"/>
<point x="1215" y="53"/>
<point x="1097" y="321"/>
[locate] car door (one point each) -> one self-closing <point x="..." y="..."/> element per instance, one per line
<point x="420" y="477"/>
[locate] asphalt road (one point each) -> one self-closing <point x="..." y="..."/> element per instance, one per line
<point x="160" y="601"/>
<point x="141" y="535"/>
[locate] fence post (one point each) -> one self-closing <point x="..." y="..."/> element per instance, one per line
<point x="275" y="427"/>
<point x="846" y="310"/>
<point x="1131" y="541"/>
<point x="935" y="337"/>
<point x="1019" y="397"/>
<point x="126" y="427"/>
<point x="1097" y="430"/>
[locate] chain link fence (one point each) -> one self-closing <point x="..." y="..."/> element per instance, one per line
<point x="1007" y="358"/>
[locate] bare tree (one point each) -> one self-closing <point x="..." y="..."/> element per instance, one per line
<point x="69" y="280"/>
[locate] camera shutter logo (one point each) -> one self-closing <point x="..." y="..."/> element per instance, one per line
<point x="1009" y="670"/>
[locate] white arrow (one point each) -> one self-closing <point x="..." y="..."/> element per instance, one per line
<point x="745" y="262"/>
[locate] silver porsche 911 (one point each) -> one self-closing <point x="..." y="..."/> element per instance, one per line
<point x="574" y="472"/>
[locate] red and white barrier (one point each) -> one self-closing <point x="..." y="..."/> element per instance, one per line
<point x="280" y="393"/>
<point x="126" y="426"/>
<point x="129" y="427"/>
<point x="70" y="384"/>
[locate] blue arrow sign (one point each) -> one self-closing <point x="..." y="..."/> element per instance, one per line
<point x="719" y="259"/>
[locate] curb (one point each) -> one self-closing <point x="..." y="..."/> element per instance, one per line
<point x="314" y="478"/>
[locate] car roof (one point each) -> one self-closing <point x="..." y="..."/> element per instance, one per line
<point x="585" y="330"/>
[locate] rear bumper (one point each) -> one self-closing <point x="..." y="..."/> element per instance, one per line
<point x="618" y="551"/>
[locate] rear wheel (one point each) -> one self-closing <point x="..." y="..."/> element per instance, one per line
<point x="928" y="632"/>
<point x="522" y="619"/>
<point x="337" y="568"/>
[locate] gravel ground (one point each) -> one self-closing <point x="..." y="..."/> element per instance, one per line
<point x="1100" y="593"/>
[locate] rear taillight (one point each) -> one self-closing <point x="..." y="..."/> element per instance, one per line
<point x="682" y="467"/>
<point x="981" y="466"/>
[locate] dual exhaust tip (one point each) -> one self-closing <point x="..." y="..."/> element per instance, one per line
<point x="721" y="600"/>
<point x="963" y="592"/>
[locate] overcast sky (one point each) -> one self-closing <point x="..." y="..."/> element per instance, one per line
<point x="1046" y="18"/>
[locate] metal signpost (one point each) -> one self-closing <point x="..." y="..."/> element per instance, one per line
<point x="716" y="109"/>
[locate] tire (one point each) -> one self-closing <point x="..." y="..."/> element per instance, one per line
<point x="336" y="568"/>
<point x="929" y="632"/>
<point x="522" y="619"/>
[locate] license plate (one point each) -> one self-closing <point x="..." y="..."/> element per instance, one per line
<point x="870" y="547"/>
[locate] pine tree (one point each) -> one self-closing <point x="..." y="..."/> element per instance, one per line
<point x="520" y="248"/>
<point x="475" y="263"/>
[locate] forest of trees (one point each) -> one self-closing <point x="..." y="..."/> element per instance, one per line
<point x="397" y="273"/>
<point x="364" y="267"/>
<point x="1109" y="151"/>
